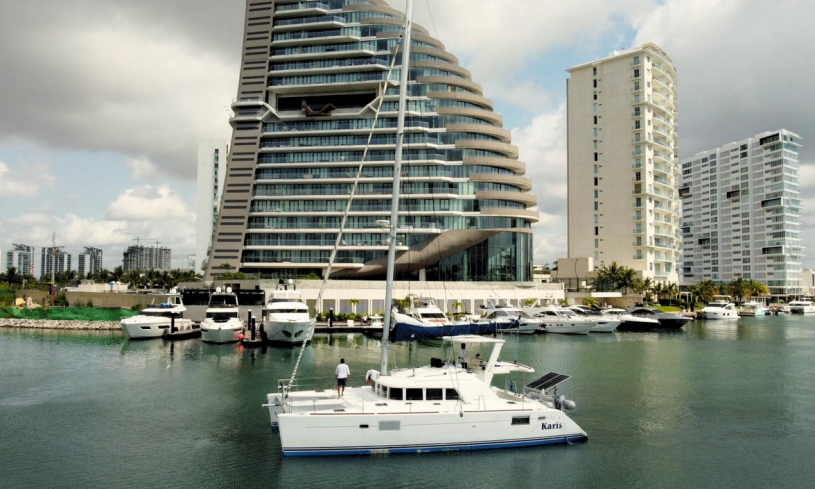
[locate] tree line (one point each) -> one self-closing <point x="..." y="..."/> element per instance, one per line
<point x="151" y="278"/>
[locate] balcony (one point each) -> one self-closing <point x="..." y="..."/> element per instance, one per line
<point x="309" y="22"/>
<point x="301" y="9"/>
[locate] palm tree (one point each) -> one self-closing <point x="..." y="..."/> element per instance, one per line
<point x="11" y="276"/>
<point x="673" y="290"/>
<point x="134" y="278"/>
<point x="591" y="302"/>
<point x="353" y="303"/>
<point x="738" y="288"/>
<point x="647" y="288"/>
<point x="625" y="278"/>
<point x="755" y="288"/>
<point x="118" y="274"/>
<point x="528" y="302"/>
<point x="706" y="289"/>
<point x="725" y="289"/>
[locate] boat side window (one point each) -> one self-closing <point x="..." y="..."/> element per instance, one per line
<point x="395" y="394"/>
<point x="373" y="386"/>
<point x="383" y="391"/>
<point x="451" y="394"/>
<point x="491" y="315"/>
<point x="414" y="395"/>
<point x="434" y="395"/>
<point x="520" y="420"/>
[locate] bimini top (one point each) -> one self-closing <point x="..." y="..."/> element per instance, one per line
<point x="471" y="339"/>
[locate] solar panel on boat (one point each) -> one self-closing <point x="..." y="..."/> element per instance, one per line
<point x="547" y="381"/>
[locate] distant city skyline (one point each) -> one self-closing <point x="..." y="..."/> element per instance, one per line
<point x="120" y="163"/>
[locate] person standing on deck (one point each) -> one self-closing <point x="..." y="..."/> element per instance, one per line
<point x="371" y="375"/>
<point x="464" y="356"/>
<point x="343" y="373"/>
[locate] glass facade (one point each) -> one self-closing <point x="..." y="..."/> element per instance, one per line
<point x="315" y="123"/>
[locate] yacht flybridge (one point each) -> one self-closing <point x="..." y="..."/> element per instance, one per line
<point x="401" y="412"/>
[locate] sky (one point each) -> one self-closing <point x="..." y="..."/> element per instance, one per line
<point x="103" y="102"/>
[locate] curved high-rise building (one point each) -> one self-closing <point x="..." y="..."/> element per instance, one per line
<point x="313" y="78"/>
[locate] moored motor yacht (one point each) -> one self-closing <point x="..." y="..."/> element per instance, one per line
<point x="562" y="321"/>
<point x="666" y="319"/>
<point x="720" y="309"/>
<point x="754" y="309"/>
<point x="629" y="322"/>
<point x="402" y="410"/>
<point x="222" y="323"/>
<point x="509" y="317"/>
<point x="286" y="318"/>
<point x="423" y="311"/>
<point x="801" y="307"/>
<point x="603" y="324"/>
<point x="158" y="320"/>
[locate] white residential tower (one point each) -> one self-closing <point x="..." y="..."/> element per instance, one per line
<point x="212" y="160"/>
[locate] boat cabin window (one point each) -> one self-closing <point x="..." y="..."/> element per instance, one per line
<point x="395" y="394"/>
<point x="434" y="395"/>
<point x="433" y="315"/>
<point x="520" y="420"/>
<point x="382" y="391"/>
<point x="287" y="311"/>
<point x="374" y="386"/>
<point x="164" y="314"/>
<point x="451" y="394"/>
<point x="221" y="317"/>
<point x="643" y="312"/>
<point x="414" y="395"/>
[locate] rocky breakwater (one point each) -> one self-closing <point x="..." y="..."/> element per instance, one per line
<point x="60" y="324"/>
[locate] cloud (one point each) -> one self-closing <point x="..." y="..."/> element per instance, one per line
<point x="542" y="144"/>
<point x="25" y="182"/>
<point x="143" y="212"/>
<point x="115" y="76"/>
<point x="141" y="168"/>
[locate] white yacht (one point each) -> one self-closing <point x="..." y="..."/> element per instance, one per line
<point x="423" y="311"/>
<point x="629" y="322"/>
<point x="401" y="412"/>
<point x="603" y="323"/>
<point x="753" y="308"/>
<point x="720" y="308"/>
<point x="158" y="320"/>
<point x="285" y="317"/>
<point x="501" y="311"/>
<point x="222" y="323"/>
<point x="563" y="321"/>
<point x="801" y="307"/>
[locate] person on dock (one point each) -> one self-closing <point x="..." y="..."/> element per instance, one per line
<point x="330" y="317"/>
<point x="464" y="356"/>
<point x="371" y="375"/>
<point x="343" y="373"/>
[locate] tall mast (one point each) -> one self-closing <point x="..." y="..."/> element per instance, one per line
<point x="397" y="172"/>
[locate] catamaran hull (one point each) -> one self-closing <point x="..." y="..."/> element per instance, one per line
<point x="324" y="434"/>
<point x="287" y="332"/>
<point x="802" y="309"/>
<point x="153" y="329"/>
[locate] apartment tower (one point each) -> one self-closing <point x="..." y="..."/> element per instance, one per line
<point x="212" y="168"/>
<point x="21" y="257"/>
<point x="623" y="166"/>
<point x="89" y="261"/>
<point x="314" y="78"/>
<point x="146" y="257"/>
<point x="741" y="211"/>
<point x="54" y="259"/>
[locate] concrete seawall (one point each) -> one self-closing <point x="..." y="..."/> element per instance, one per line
<point x="61" y="324"/>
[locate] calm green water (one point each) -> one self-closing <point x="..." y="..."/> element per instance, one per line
<point x="719" y="404"/>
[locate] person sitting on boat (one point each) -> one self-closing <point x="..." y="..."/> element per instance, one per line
<point x="371" y="375"/>
<point x="480" y="361"/>
<point x="343" y="373"/>
<point x="464" y="356"/>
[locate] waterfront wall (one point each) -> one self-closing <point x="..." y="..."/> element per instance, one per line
<point x="65" y="325"/>
<point x="103" y="300"/>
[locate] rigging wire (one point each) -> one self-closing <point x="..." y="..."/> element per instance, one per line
<point x="351" y="195"/>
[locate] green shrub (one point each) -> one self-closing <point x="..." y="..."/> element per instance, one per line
<point x="137" y="307"/>
<point x="60" y="300"/>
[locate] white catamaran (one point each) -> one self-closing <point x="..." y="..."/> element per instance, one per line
<point x="404" y="409"/>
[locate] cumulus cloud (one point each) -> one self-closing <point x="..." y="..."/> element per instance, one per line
<point x="25" y="182"/>
<point x="142" y="212"/>
<point x="141" y="168"/>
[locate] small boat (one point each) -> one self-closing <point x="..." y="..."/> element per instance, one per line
<point x="158" y="320"/>
<point x="629" y="322"/>
<point x="402" y="410"/>
<point x="425" y="311"/>
<point x="666" y="319"/>
<point x="510" y="318"/>
<point x="801" y="307"/>
<point x="286" y="318"/>
<point x="720" y="308"/>
<point x="602" y="323"/>
<point x="754" y="309"/>
<point x="562" y="321"/>
<point x="222" y="323"/>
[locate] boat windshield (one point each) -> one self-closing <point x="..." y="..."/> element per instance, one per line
<point x="433" y="315"/>
<point x="221" y="317"/>
<point x="287" y="311"/>
<point x="567" y="313"/>
<point x="165" y="314"/>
